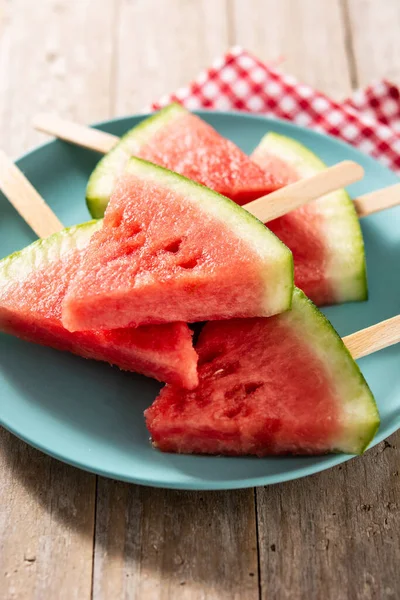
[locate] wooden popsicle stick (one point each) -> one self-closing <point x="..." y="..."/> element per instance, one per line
<point x="374" y="202"/>
<point x="88" y="137"/>
<point x="369" y="340"/>
<point x="26" y="200"/>
<point x="301" y="192"/>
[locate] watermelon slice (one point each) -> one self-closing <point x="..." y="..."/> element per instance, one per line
<point x="176" y="139"/>
<point x="173" y="250"/>
<point x="324" y="236"/>
<point x="33" y="283"/>
<point x="284" y="385"/>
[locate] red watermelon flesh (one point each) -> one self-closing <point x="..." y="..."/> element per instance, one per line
<point x="191" y="147"/>
<point x="324" y="236"/>
<point x="280" y="385"/>
<point x="173" y="250"/>
<point x="182" y="142"/>
<point x="33" y="283"/>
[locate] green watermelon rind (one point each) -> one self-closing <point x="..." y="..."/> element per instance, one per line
<point x="278" y="258"/>
<point x="354" y="287"/>
<point x="102" y="180"/>
<point x="39" y="254"/>
<point x="360" y="413"/>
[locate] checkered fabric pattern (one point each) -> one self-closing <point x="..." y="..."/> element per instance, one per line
<point x="369" y="120"/>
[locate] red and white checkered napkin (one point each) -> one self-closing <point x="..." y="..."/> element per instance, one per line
<point x="369" y="120"/>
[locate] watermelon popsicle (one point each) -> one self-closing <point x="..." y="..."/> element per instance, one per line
<point x="281" y="385"/>
<point x="326" y="241"/>
<point x="173" y="250"/>
<point x="325" y="235"/>
<point x="33" y="283"/>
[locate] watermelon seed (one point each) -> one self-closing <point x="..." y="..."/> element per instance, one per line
<point x="134" y="228"/>
<point x="250" y="388"/>
<point x="188" y="264"/>
<point x="117" y="254"/>
<point x="116" y="219"/>
<point x="239" y="409"/>
<point x="131" y="249"/>
<point x="173" y="246"/>
<point x="229" y="394"/>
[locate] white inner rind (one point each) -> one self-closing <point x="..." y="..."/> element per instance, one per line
<point x="277" y="258"/>
<point x="344" y="244"/>
<point x="18" y="266"/>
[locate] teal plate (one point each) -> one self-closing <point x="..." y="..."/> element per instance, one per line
<point x="91" y="415"/>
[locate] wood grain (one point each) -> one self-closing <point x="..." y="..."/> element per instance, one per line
<point x="54" y="55"/>
<point x="334" y="535"/>
<point x="325" y="536"/>
<point x="308" y="36"/>
<point x="159" y="544"/>
<point x="46" y="525"/>
<point x="161" y="46"/>
<point x="162" y="544"/>
<point x="374" y="40"/>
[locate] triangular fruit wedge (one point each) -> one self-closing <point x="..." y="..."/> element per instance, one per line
<point x="173" y="250"/>
<point x="178" y="140"/>
<point x="283" y="385"/>
<point x="33" y="283"/>
<point x="324" y="236"/>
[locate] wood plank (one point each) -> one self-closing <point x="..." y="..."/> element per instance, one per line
<point x="375" y="39"/>
<point x="163" y="46"/>
<point x="70" y="49"/>
<point x="309" y="36"/>
<point x="159" y="544"/>
<point x="341" y="527"/>
<point x="46" y="525"/>
<point x="334" y="535"/>
<point x="163" y="544"/>
<point x="54" y="55"/>
<point x="331" y="536"/>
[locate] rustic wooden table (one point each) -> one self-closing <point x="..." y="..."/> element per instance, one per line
<point x="66" y="534"/>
